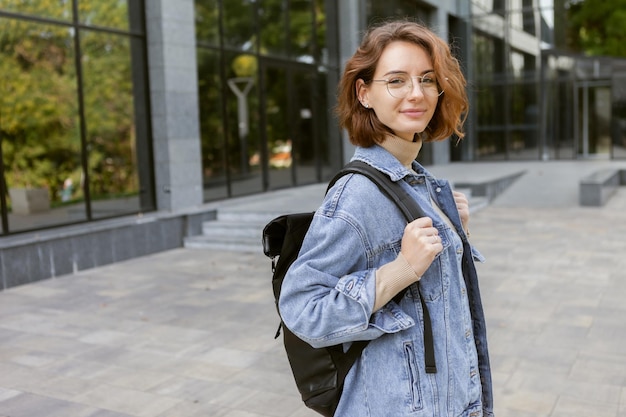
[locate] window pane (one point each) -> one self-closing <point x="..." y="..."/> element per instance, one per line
<point x="207" y="22"/>
<point x="321" y="28"/>
<point x="491" y="145"/>
<point x="377" y="10"/>
<point x="39" y="125"/>
<point x="242" y="103"/>
<point x="277" y="119"/>
<point x="301" y="30"/>
<point x="110" y="123"/>
<point x="618" y="117"/>
<point x="272" y="23"/>
<point x="56" y="9"/>
<point x="523" y="107"/>
<point x="328" y="134"/>
<point x="303" y="116"/>
<point x="239" y="25"/>
<point x="211" y="125"/>
<point x="112" y="14"/>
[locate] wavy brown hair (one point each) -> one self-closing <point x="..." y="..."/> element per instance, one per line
<point x="362" y="125"/>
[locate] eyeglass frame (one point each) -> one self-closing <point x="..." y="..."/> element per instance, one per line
<point x="412" y="85"/>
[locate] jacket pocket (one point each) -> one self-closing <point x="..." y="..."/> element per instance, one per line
<point x="412" y="374"/>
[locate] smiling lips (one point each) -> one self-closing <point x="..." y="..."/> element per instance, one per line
<point x="414" y="113"/>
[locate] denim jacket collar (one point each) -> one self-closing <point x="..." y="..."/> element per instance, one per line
<point x="384" y="161"/>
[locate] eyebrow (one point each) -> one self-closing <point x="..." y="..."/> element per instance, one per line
<point x="393" y="72"/>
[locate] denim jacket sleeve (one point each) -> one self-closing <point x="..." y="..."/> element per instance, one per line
<point x="328" y="294"/>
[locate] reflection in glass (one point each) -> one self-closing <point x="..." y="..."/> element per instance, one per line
<point x="321" y="48"/>
<point x="243" y="151"/>
<point x="328" y="156"/>
<point x="207" y="22"/>
<point x="490" y="94"/>
<point x="39" y="126"/>
<point x="523" y="116"/>
<point x="110" y="123"/>
<point x="272" y="21"/>
<point x="112" y="14"/>
<point x="594" y="110"/>
<point x="301" y="30"/>
<point x="61" y="10"/>
<point x="277" y="119"/>
<point x="618" y="116"/>
<point x="211" y="125"/>
<point x="304" y="128"/>
<point x="239" y="24"/>
<point x="375" y="9"/>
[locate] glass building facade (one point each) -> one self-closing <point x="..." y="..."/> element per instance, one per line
<point x="100" y="116"/>
<point x="532" y="99"/>
<point x="74" y="113"/>
<point x="264" y="95"/>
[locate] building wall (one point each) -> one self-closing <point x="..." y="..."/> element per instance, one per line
<point x="53" y="243"/>
<point x="517" y="88"/>
<point x="174" y="98"/>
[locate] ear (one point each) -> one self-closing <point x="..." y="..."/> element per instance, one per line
<point x="361" y="91"/>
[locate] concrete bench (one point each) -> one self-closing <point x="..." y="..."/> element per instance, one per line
<point x="597" y="188"/>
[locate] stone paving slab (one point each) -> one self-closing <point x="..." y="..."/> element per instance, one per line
<point x="189" y="333"/>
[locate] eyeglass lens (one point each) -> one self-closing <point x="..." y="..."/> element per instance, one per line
<point x="400" y="85"/>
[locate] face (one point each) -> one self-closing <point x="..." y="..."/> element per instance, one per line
<point x="410" y="114"/>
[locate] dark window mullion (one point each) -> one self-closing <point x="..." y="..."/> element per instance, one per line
<point x="81" y="110"/>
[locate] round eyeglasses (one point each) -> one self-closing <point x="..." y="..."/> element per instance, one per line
<point x="399" y="85"/>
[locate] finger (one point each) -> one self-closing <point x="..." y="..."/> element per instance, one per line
<point x="462" y="200"/>
<point x="458" y="194"/>
<point x="422" y="222"/>
<point x="420" y="227"/>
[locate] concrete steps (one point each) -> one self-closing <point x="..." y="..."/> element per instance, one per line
<point x="239" y="222"/>
<point x="236" y="230"/>
<point x="233" y="230"/>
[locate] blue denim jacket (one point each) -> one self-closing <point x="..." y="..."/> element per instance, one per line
<point x="328" y="296"/>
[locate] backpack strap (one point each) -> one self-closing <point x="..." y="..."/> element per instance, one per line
<point x="411" y="211"/>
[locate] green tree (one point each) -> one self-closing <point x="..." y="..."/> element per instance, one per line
<point x="597" y="27"/>
<point x="39" y="115"/>
<point x="37" y="102"/>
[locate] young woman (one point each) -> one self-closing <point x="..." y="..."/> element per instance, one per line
<point x="401" y="88"/>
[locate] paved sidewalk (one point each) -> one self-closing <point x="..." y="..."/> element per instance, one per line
<point x="189" y="333"/>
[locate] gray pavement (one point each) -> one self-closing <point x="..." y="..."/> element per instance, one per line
<point x="189" y="332"/>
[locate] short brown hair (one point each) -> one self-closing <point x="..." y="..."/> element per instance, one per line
<point x="362" y="125"/>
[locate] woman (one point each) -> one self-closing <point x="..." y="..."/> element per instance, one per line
<point x="402" y="87"/>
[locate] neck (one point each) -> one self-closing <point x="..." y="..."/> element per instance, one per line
<point x="403" y="150"/>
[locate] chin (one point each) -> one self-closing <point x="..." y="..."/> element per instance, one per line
<point x="408" y="135"/>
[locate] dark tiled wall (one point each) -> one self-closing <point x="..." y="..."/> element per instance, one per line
<point x="36" y="259"/>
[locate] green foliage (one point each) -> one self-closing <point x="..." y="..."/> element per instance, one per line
<point x="598" y="27"/>
<point x="39" y="113"/>
<point x="37" y="101"/>
<point x="288" y="30"/>
<point x="207" y="21"/>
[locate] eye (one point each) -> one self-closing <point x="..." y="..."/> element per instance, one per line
<point x="397" y="81"/>
<point x="429" y="79"/>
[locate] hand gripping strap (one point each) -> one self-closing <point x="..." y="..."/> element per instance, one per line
<point x="411" y="211"/>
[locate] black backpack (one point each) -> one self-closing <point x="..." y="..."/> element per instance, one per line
<point x="320" y="372"/>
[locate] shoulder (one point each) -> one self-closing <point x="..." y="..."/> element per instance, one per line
<point x="355" y="197"/>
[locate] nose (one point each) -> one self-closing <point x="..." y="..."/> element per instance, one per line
<point x="416" y="86"/>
